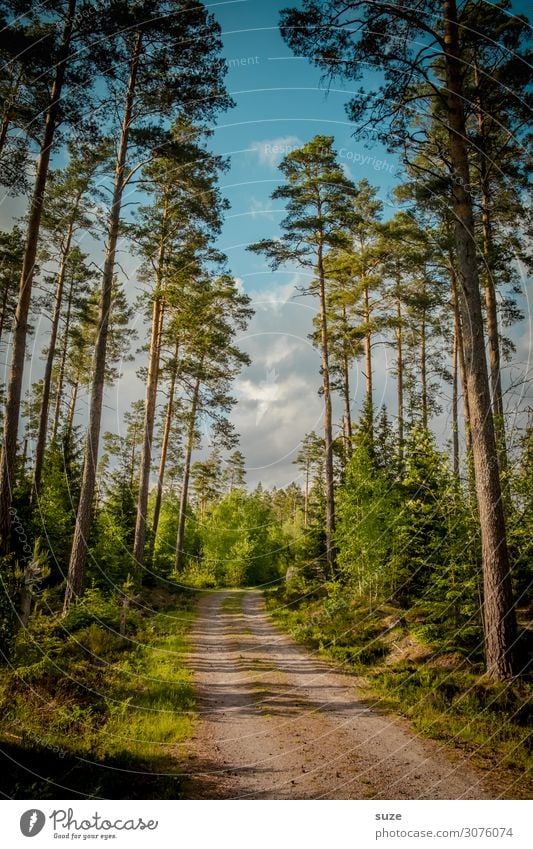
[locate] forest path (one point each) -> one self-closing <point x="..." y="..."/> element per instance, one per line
<point x="276" y="723"/>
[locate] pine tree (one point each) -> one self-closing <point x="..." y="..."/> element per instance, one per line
<point x="319" y="197"/>
<point x="235" y="471"/>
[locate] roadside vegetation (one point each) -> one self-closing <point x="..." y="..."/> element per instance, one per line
<point x="404" y="671"/>
<point x="86" y="711"/>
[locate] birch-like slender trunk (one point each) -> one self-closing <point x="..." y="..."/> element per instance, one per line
<point x="149" y="415"/>
<point x="455" y="399"/>
<point x="346" y="390"/>
<point x="47" y="378"/>
<point x="164" y="445"/>
<point x="62" y="362"/>
<point x="424" y="369"/>
<point x="399" y="363"/>
<point x="491" y="307"/>
<point x="368" y="366"/>
<point x="184" y="498"/>
<point x="328" y="423"/>
<point x="72" y="409"/>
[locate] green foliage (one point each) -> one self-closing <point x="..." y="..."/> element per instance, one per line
<point x="366" y="511"/>
<point x="242" y="541"/>
<point x="521" y="520"/>
<point x="81" y="704"/>
<point x="165" y="542"/>
<point x="9" y="592"/>
<point x="94" y="607"/>
<point x="410" y="538"/>
<point x="54" y="518"/>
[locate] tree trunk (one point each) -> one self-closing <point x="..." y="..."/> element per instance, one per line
<point x="399" y="363"/>
<point x="47" y="379"/>
<point x="149" y="419"/>
<point x="368" y="367"/>
<point x="455" y="396"/>
<point x="186" y="475"/>
<point x="499" y="614"/>
<point x="20" y="328"/>
<point x="328" y="425"/>
<point x="462" y="367"/>
<point x="164" y="446"/>
<point x="72" y="410"/>
<point x="62" y="363"/>
<point x="423" y="370"/>
<point x="346" y="391"/>
<point x="78" y="555"/>
<point x="491" y="308"/>
<point x="306" y="495"/>
<point x="493" y="334"/>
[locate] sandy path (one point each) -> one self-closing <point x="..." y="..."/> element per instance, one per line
<point x="275" y="723"/>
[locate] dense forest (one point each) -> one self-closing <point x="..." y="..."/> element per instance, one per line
<point x="390" y="529"/>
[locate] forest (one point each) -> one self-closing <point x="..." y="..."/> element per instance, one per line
<point x="402" y="549"/>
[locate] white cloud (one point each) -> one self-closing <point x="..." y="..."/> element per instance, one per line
<point x="274" y="298"/>
<point x="263" y="209"/>
<point x="271" y="151"/>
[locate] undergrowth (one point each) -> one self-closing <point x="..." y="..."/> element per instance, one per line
<point x="87" y="712"/>
<point x="406" y="669"/>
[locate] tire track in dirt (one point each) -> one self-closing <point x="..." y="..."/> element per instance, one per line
<point x="276" y="723"/>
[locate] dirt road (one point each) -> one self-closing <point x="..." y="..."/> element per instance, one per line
<point x="276" y="723"/>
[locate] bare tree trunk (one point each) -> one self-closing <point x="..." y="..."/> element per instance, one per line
<point x="423" y="370"/>
<point x="368" y="368"/>
<point x="499" y="615"/>
<point x="328" y="425"/>
<point x="47" y="379"/>
<point x="493" y="334"/>
<point x="62" y="362"/>
<point x="24" y="458"/>
<point x="399" y="363"/>
<point x="164" y="445"/>
<point x="72" y="410"/>
<point x="78" y="555"/>
<point x="20" y="328"/>
<point x="462" y="367"/>
<point x="306" y="495"/>
<point x="184" y="498"/>
<point x="149" y="418"/>
<point x="491" y="308"/>
<point x="455" y="397"/>
<point x="346" y="392"/>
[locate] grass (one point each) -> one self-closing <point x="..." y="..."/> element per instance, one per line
<point x="86" y="712"/>
<point x="443" y="693"/>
